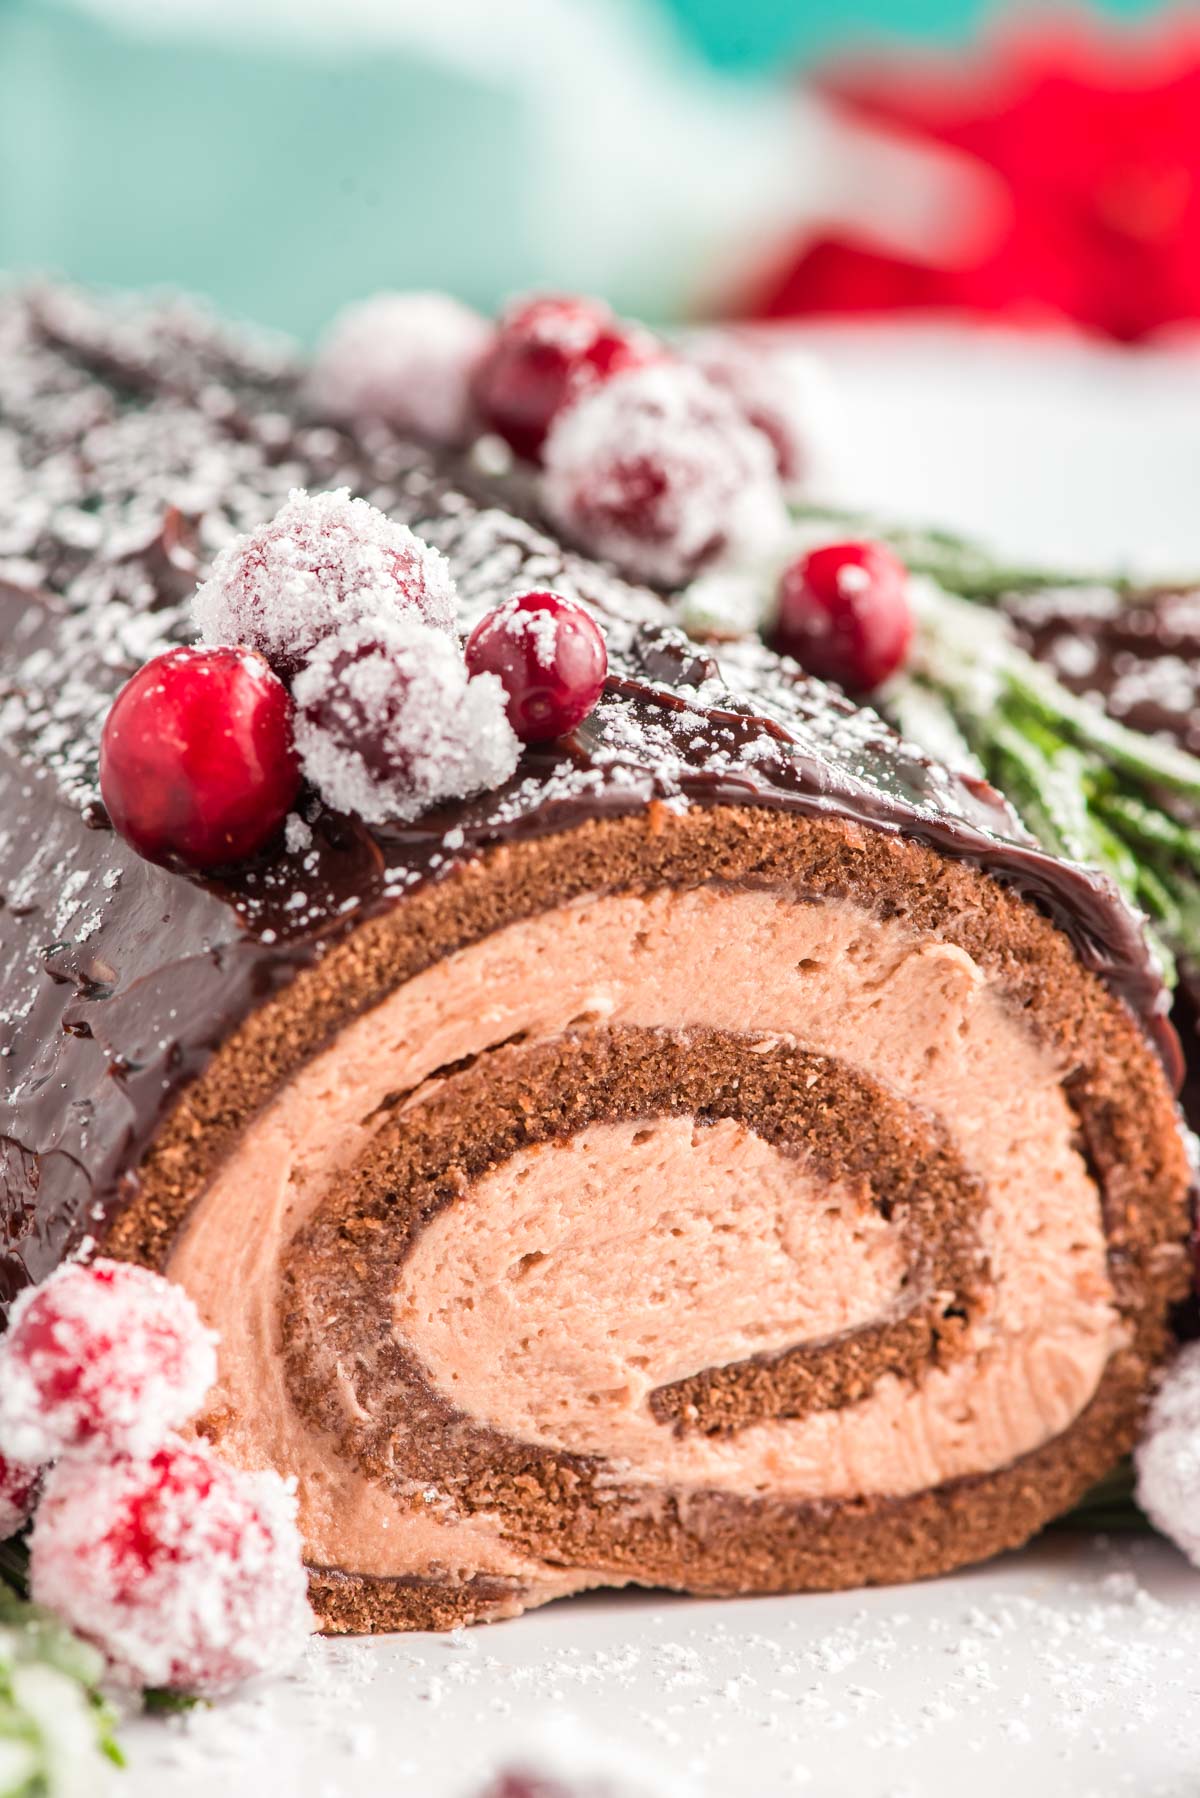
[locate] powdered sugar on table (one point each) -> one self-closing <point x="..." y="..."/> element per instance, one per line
<point x="1069" y="1668"/>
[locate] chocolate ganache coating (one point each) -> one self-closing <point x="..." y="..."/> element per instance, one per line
<point x="134" y="440"/>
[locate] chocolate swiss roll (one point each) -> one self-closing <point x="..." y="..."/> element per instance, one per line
<point x="729" y="1156"/>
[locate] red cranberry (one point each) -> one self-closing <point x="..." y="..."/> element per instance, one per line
<point x="388" y="721"/>
<point x="783" y="392"/>
<point x="657" y="472"/>
<point x="105" y="1359"/>
<point x="187" y="1572"/>
<point x="844" y="614"/>
<point x="546" y="352"/>
<point x="405" y="357"/>
<point x="196" y="758"/>
<point x="550" y="655"/>
<point x="324" y="561"/>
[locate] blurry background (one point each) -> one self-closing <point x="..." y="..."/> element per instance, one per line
<point x="763" y="157"/>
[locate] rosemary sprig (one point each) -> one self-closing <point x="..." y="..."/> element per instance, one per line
<point x="1088" y="788"/>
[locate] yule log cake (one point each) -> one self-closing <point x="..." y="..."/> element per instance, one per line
<point x="725" y="1154"/>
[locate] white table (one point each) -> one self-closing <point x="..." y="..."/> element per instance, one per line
<point x="1073" y="1668"/>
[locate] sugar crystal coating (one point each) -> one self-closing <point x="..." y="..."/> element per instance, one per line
<point x="548" y="349"/>
<point x="324" y="560"/>
<point x="658" y="472"/>
<point x="186" y="1572"/>
<point x="1168" y="1457"/>
<point x="389" y="723"/>
<point x="99" y="1360"/>
<point x="406" y="358"/>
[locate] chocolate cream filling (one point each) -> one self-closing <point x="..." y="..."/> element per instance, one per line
<point x="669" y="1219"/>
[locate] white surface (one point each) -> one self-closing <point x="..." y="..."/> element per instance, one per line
<point x="1047" y="446"/>
<point x="1073" y="1668"/>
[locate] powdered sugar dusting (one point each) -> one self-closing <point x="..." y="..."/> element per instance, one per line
<point x="407" y="358"/>
<point x="297" y="834"/>
<point x="657" y="471"/>
<point x="388" y="722"/>
<point x="1069" y="1668"/>
<point x="539" y="628"/>
<point x="324" y="560"/>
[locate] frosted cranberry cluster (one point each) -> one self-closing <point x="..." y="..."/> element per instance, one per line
<point x="329" y="655"/>
<point x="328" y="645"/>
<point x="654" y="458"/>
<point x="187" y="1573"/>
<point x="661" y="459"/>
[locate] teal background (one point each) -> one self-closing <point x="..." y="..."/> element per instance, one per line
<point x="282" y="179"/>
<point x="277" y="184"/>
<point x="758" y="34"/>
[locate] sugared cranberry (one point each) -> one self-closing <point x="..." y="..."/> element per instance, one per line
<point x="407" y="358"/>
<point x="104" y="1359"/>
<point x="844" y="614"/>
<point x="388" y="721"/>
<point x="546" y="352"/>
<point x="197" y="764"/>
<point x="324" y="561"/>
<point x="186" y="1572"/>
<point x="783" y="392"/>
<point x="657" y="471"/>
<point x="516" y="1783"/>
<point x="18" y="1492"/>
<point x="549" y="652"/>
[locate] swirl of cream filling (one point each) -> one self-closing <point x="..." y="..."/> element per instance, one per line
<point x="586" y="1276"/>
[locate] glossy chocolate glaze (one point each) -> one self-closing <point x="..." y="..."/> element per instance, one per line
<point x="132" y="443"/>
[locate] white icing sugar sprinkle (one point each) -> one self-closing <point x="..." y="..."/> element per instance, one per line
<point x="1168" y="1456"/>
<point x="388" y="722"/>
<point x="540" y="627"/>
<point x="407" y="358"/>
<point x="324" y="560"/>
<point x="658" y="471"/>
<point x="1070" y="1668"/>
<point x="297" y="835"/>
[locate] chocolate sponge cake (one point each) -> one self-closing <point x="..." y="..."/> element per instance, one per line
<point x="729" y="1155"/>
